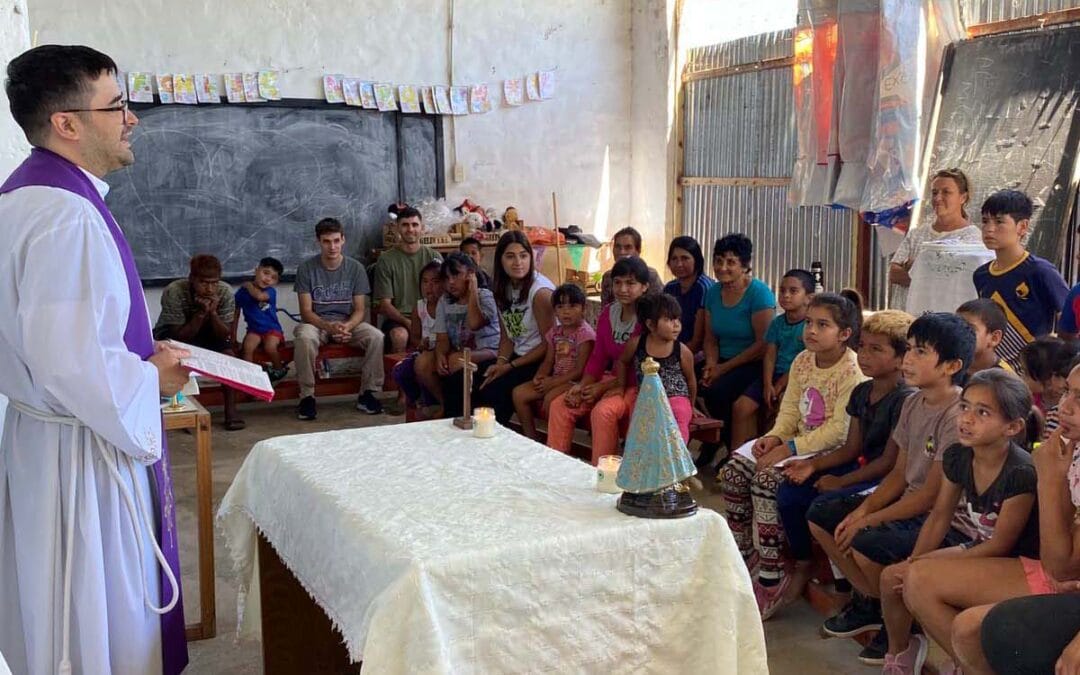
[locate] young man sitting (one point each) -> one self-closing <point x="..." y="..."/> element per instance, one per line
<point x="626" y="244"/>
<point x="199" y="311"/>
<point x="397" y="278"/>
<point x="332" y="289"/>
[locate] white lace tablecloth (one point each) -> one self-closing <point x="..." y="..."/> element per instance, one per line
<point x="435" y="552"/>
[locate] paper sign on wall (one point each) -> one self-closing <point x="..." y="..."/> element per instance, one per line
<point x="367" y="95"/>
<point x="165" y="88"/>
<point x="251" y="88"/>
<point x="547" y="84"/>
<point x="206" y="88"/>
<point x="384" y="96"/>
<point x="350" y="87"/>
<point x="479" y="100"/>
<point x="459" y="100"/>
<point x="513" y="92"/>
<point x="532" y="86"/>
<point x="409" y="99"/>
<point x="141" y="87"/>
<point x="184" y="89"/>
<point x="234" y="87"/>
<point x="332" y="90"/>
<point x="428" y="99"/>
<point x="268" y="85"/>
<point x="442" y="100"/>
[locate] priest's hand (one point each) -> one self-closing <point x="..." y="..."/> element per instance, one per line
<point x="172" y="376"/>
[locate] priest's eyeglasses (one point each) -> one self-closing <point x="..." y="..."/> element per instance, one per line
<point x="123" y="107"/>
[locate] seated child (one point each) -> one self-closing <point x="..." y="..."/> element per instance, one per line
<point x="862" y="533"/>
<point x="783" y="343"/>
<point x="989" y="323"/>
<point x="569" y="344"/>
<point x="1029" y="289"/>
<point x="866" y="456"/>
<point x="1039" y="363"/>
<point x="983" y="510"/>
<point x="660" y="327"/>
<point x="990" y="580"/>
<point x="809" y="421"/>
<point x="257" y="300"/>
<point x="598" y="394"/>
<point x="421" y="334"/>
<point x="470" y="246"/>
<point x="466" y="316"/>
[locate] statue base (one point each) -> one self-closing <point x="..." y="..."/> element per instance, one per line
<point x="673" y="501"/>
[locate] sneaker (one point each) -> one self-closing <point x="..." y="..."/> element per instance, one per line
<point x="908" y="662"/>
<point x="306" y="409"/>
<point x="873" y="654"/>
<point x="277" y="374"/>
<point x="859" y="616"/>
<point x="774" y="598"/>
<point x="367" y="403"/>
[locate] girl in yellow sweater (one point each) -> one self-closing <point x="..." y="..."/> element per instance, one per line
<point x="811" y="419"/>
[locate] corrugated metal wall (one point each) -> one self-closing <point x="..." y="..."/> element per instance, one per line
<point x="988" y="11"/>
<point x="743" y="126"/>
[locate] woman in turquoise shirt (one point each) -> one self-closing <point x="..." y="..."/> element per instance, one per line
<point x="738" y="309"/>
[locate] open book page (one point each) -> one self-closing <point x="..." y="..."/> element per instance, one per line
<point x="229" y="370"/>
<point x="747" y="450"/>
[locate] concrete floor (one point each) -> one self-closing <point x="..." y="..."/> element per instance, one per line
<point x="792" y="636"/>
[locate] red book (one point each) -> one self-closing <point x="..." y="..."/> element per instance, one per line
<point x="236" y="373"/>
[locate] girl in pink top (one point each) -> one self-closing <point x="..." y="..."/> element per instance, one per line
<point x="598" y="394"/>
<point x="569" y="345"/>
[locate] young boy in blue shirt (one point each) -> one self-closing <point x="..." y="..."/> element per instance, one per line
<point x="257" y="299"/>
<point x="1029" y="289"/>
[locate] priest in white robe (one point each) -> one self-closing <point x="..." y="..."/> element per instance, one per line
<point x="85" y="585"/>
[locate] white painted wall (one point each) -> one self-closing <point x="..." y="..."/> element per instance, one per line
<point x="14" y="39"/>
<point x="570" y="144"/>
<point x="652" y="125"/>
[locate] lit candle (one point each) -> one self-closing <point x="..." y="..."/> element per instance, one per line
<point x="484" y="422"/>
<point x="607" y="469"/>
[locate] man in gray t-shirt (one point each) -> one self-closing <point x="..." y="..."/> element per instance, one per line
<point x="333" y="290"/>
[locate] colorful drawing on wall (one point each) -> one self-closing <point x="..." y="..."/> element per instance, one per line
<point x="428" y="100"/>
<point x="251" y="88"/>
<point x="184" y="89"/>
<point x="459" y="100"/>
<point x="234" y="87"/>
<point x="350" y="87"/>
<point x="332" y="90"/>
<point x="268" y="85"/>
<point x="367" y="95"/>
<point x="206" y="88"/>
<point x="513" y="92"/>
<point x="141" y="87"/>
<point x="442" y="100"/>
<point x="547" y="84"/>
<point x="384" y="96"/>
<point x="532" y="86"/>
<point x="165" y="88"/>
<point x="409" y="98"/>
<point x="479" y="98"/>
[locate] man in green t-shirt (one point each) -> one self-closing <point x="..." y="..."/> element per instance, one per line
<point x="397" y="278"/>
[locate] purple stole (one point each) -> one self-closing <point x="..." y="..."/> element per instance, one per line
<point x="46" y="168"/>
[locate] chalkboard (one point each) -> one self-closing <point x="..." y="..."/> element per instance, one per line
<point x="1008" y="117"/>
<point x="247" y="181"/>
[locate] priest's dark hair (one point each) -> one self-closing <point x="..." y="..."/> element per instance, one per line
<point x="51" y="79"/>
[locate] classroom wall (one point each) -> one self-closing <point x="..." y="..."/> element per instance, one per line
<point x="14" y="39"/>
<point x="577" y="144"/>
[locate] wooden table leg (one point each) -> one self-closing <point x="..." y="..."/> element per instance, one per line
<point x="204" y="485"/>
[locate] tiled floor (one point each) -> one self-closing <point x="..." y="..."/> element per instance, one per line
<point x="792" y="637"/>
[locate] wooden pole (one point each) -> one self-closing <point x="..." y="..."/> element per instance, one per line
<point x="559" y="272"/>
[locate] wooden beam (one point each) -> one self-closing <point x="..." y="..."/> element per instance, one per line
<point x="741" y="181"/>
<point x="767" y="64"/>
<point x="1025" y="23"/>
